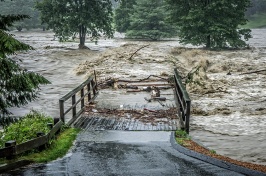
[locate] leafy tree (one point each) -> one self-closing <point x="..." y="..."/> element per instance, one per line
<point x="148" y="20"/>
<point x="17" y="85"/>
<point x="122" y="15"/>
<point x="25" y="7"/>
<point x="84" y="17"/>
<point x="214" y="23"/>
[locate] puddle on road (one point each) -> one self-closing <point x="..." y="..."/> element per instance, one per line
<point x="125" y="136"/>
<point x="228" y="110"/>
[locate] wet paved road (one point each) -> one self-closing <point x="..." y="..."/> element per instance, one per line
<point x="124" y="153"/>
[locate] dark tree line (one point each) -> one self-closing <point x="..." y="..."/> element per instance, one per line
<point x="25" y="7"/>
<point x="256" y="7"/>
<point x="213" y="23"/>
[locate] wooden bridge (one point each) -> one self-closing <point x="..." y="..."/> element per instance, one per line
<point x="131" y="106"/>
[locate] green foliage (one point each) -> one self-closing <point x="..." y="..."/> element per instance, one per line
<point x="58" y="147"/>
<point x="26" y="128"/>
<point x="212" y="151"/>
<point x="84" y="17"/>
<point x="148" y="21"/>
<point x="17" y="85"/>
<point x="122" y="15"/>
<point x="25" y="7"/>
<point x="181" y="137"/>
<point x="181" y="134"/>
<point x="213" y="23"/>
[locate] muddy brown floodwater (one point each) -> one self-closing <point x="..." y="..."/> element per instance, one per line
<point x="228" y="107"/>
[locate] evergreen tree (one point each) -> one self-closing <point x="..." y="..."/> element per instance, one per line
<point x="84" y="17"/>
<point x="148" y="20"/>
<point x="213" y="23"/>
<point x="122" y="15"/>
<point x="17" y="85"/>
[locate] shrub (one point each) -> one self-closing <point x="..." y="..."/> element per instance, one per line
<point x="26" y="128"/>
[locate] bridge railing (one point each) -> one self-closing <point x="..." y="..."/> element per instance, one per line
<point x="87" y="89"/>
<point x="183" y="102"/>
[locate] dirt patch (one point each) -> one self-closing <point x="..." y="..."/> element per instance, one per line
<point x="190" y="144"/>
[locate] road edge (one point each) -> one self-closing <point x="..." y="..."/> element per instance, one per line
<point x="14" y="165"/>
<point x="213" y="161"/>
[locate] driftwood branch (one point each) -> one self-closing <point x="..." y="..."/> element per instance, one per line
<point x="135" y="81"/>
<point x="257" y="71"/>
<point x="137" y="51"/>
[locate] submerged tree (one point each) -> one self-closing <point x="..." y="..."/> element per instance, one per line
<point x="213" y="23"/>
<point x="84" y="17"/>
<point x="122" y="15"/>
<point x="17" y="85"/>
<point x="148" y="20"/>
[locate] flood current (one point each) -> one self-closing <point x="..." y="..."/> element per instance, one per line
<point x="238" y="135"/>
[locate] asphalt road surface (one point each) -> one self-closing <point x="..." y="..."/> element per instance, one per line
<point x="100" y="153"/>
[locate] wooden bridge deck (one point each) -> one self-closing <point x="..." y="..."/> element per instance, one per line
<point x="105" y="123"/>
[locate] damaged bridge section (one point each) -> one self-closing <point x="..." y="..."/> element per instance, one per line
<point x="129" y="120"/>
<point x="148" y="104"/>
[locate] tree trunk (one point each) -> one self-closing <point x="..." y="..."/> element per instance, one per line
<point x="208" y="41"/>
<point x="82" y="37"/>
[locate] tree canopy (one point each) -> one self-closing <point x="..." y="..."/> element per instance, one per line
<point x="122" y="15"/>
<point x="148" y="20"/>
<point x="17" y="85"/>
<point x="213" y="23"/>
<point x="84" y="17"/>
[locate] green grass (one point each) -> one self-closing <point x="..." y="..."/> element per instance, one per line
<point x="181" y="137"/>
<point x="57" y="149"/>
<point x="256" y="21"/>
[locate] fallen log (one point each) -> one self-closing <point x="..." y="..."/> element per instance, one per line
<point x="256" y="71"/>
<point x="137" y="51"/>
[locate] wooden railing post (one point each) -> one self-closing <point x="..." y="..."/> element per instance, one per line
<point x="89" y="91"/>
<point x="55" y="122"/>
<point x="188" y="116"/>
<point x="61" y="108"/>
<point x="93" y="87"/>
<point x="74" y="110"/>
<point x="82" y="96"/>
<point x="39" y="134"/>
<point x="11" y="143"/>
<point x="50" y="125"/>
<point x="96" y="88"/>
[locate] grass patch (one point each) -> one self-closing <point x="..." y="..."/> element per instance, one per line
<point x="58" y="148"/>
<point x="26" y="128"/>
<point x="182" y="137"/>
<point x="256" y="21"/>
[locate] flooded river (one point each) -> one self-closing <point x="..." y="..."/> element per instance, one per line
<point x="230" y="121"/>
